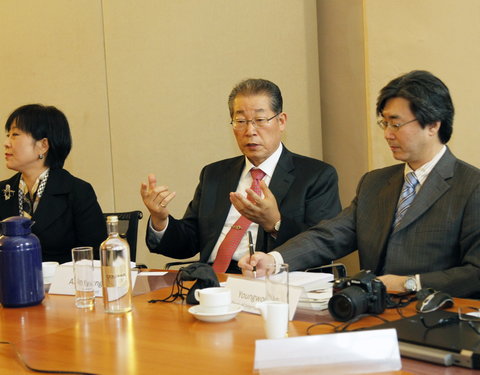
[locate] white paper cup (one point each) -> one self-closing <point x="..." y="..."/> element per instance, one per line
<point x="48" y="270"/>
<point x="214" y="300"/>
<point x="275" y="316"/>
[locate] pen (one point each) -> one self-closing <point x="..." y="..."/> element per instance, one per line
<point x="252" y="251"/>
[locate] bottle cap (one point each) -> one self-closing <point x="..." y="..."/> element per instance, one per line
<point x="16" y="226"/>
<point x="112" y="219"/>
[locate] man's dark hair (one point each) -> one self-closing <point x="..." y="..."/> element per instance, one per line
<point x="429" y="99"/>
<point x="256" y="86"/>
<point x="44" y="122"/>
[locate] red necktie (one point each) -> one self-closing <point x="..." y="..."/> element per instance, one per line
<point x="237" y="231"/>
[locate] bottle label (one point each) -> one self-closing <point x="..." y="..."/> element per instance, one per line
<point x="114" y="277"/>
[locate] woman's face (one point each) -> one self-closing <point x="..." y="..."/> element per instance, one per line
<point x="22" y="151"/>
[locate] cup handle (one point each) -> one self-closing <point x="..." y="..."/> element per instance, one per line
<point x="196" y="294"/>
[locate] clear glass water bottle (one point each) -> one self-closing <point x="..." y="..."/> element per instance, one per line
<point x="116" y="276"/>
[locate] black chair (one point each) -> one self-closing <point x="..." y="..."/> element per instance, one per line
<point x="128" y="228"/>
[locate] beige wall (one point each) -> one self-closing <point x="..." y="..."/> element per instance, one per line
<point x="343" y="96"/>
<point x="442" y="36"/>
<point x="145" y="84"/>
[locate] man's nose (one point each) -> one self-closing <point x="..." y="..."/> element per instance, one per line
<point x="250" y="129"/>
<point x="388" y="133"/>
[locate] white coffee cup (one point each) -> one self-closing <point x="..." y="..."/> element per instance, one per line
<point x="214" y="300"/>
<point x="48" y="269"/>
<point x="275" y="316"/>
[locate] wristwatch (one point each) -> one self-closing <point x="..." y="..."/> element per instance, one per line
<point x="276" y="228"/>
<point x="410" y="284"/>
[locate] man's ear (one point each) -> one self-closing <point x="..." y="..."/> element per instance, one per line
<point x="434" y="127"/>
<point x="282" y="119"/>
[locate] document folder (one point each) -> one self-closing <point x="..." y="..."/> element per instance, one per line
<point x="450" y="343"/>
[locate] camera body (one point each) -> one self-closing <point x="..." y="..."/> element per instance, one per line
<point x="352" y="296"/>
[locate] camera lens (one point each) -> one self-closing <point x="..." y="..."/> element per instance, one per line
<point x="348" y="303"/>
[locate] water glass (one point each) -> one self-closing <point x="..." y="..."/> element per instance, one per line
<point x="83" y="277"/>
<point x="276" y="283"/>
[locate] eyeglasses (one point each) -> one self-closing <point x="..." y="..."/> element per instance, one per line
<point x="472" y="318"/>
<point x="384" y="124"/>
<point x="259" y="122"/>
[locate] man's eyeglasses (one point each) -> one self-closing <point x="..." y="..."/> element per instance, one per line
<point x="465" y="314"/>
<point x="384" y="124"/>
<point x="259" y="122"/>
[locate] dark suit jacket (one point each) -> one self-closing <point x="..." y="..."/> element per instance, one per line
<point x="438" y="238"/>
<point x="306" y="191"/>
<point x="68" y="215"/>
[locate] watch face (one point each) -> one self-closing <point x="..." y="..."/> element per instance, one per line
<point x="411" y="284"/>
<point x="277" y="225"/>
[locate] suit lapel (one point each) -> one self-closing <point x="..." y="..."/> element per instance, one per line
<point x="280" y="183"/>
<point x="282" y="177"/>
<point x="226" y="183"/>
<point x="434" y="187"/>
<point x="52" y="203"/>
<point x="387" y="205"/>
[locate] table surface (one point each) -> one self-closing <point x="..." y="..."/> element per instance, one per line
<point x="153" y="337"/>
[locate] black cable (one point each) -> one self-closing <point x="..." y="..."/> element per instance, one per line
<point x="343" y="326"/>
<point x="22" y="361"/>
<point x="178" y="283"/>
<point x="319" y="324"/>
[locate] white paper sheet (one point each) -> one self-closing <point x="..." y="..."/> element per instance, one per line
<point x="338" y="353"/>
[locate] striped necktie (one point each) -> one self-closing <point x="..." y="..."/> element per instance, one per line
<point x="237" y="231"/>
<point x="406" y="197"/>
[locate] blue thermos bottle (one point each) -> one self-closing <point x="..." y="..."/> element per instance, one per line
<point x="21" y="278"/>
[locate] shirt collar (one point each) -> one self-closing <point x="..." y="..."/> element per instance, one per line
<point x="23" y="186"/>
<point x="268" y="166"/>
<point x="423" y="172"/>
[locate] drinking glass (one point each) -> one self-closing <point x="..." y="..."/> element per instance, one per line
<point x="276" y="283"/>
<point x="83" y="277"/>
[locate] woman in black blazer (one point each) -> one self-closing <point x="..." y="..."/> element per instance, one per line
<point x="64" y="208"/>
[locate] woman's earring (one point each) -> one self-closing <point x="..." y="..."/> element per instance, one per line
<point x="40" y="156"/>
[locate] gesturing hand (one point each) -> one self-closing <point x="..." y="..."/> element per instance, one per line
<point x="156" y="198"/>
<point x="264" y="211"/>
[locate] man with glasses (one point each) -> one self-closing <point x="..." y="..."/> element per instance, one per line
<point x="285" y="193"/>
<point x="416" y="224"/>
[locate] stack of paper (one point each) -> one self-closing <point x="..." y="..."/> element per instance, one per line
<point x="317" y="300"/>
<point x="310" y="280"/>
<point x="317" y="286"/>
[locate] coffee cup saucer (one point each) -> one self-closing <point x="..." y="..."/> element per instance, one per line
<point x="215" y="317"/>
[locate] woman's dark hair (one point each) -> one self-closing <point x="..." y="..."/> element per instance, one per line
<point x="44" y="122"/>
<point x="429" y="99"/>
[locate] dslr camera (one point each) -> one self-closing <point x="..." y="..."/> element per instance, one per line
<point x="352" y="296"/>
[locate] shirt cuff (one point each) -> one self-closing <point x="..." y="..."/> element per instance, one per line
<point x="278" y="259"/>
<point x="417" y="281"/>
<point x="154" y="236"/>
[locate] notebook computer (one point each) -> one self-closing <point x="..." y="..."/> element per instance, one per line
<point x="452" y="343"/>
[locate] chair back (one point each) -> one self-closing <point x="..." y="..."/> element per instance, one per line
<point x="128" y="228"/>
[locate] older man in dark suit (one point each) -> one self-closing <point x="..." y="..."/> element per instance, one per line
<point x="286" y="192"/>
<point x="416" y="224"/>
